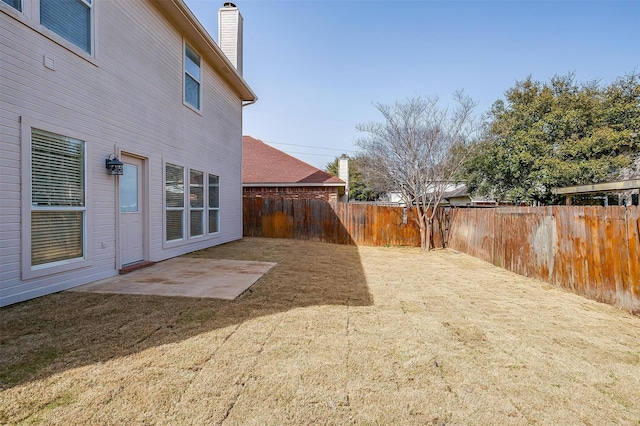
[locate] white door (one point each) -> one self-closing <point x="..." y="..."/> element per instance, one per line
<point x="131" y="212"/>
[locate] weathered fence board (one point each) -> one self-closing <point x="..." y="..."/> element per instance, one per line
<point x="379" y="225"/>
<point x="343" y="223"/>
<point x="304" y="219"/>
<point x="592" y="251"/>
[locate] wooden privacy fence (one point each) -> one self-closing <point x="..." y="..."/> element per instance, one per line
<point x="592" y="251"/>
<point x="302" y="219"/>
<point x="342" y="223"/>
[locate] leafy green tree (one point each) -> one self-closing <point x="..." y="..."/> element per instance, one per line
<point x="554" y="134"/>
<point x="358" y="189"/>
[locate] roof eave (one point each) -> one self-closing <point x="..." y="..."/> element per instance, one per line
<point x="182" y="17"/>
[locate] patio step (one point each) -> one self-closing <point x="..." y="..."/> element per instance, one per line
<point x="135" y="266"/>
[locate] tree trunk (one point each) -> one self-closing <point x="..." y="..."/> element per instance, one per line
<point x="423" y="236"/>
<point x="423" y="230"/>
<point x="426" y="226"/>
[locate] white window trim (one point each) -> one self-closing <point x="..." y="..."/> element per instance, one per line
<point x="184" y="84"/>
<point x="28" y="271"/>
<point x="30" y="16"/>
<point x="186" y="218"/>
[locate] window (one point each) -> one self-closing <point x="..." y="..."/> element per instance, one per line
<point x="214" y="204"/>
<point x="70" y="19"/>
<point x="190" y="208"/>
<point x="16" y="4"/>
<point x="196" y="203"/>
<point x="58" y="208"/>
<point x="174" y="202"/>
<point x="129" y="185"/>
<point x="191" y="77"/>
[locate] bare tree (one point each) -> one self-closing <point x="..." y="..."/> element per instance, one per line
<point x="417" y="152"/>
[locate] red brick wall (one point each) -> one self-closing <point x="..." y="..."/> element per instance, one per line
<point x="294" y="192"/>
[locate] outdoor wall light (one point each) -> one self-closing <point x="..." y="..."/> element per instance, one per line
<point x="114" y="165"/>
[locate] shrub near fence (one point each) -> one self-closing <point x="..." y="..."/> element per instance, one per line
<point x="592" y="251"/>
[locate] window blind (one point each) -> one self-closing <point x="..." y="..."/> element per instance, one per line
<point x="196" y="225"/>
<point x="56" y="236"/>
<point x="196" y="203"/>
<point x="57" y="172"/>
<point x="57" y="197"/>
<point x="174" y="202"/>
<point x="70" y="19"/>
<point x="16" y="4"/>
<point x="213" y="221"/>
<point x="174" y="225"/>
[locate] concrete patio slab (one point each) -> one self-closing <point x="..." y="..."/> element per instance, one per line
<point x="185" y="276"/>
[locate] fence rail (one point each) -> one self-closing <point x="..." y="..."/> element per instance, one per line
<point x="592" y="251"/>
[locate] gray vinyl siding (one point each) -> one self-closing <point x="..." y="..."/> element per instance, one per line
<point x="129" y="95"/>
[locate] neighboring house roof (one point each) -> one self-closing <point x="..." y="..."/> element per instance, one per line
<point x="459" y="193"/>
<point x="462" y="192"/>
<point x="264" y="165"/>
<point x="179" y="14"/>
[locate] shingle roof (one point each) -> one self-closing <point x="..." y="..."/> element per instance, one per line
<point x="262" y="163"/>
<point x="458" y="192"/>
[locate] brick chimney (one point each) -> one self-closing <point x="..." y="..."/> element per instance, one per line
<point x="230" y="34"/>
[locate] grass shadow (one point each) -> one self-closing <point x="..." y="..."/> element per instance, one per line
<point x="54" y="333"/>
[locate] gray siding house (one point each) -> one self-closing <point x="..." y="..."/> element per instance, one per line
<point x="86" y="82"/>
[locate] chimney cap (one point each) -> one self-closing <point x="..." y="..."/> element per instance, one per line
<point x="229" y="4"/>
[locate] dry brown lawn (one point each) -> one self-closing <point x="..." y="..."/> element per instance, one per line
<point x="332" y="335"/>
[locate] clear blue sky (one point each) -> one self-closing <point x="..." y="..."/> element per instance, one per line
<point x="318" y="66"/>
